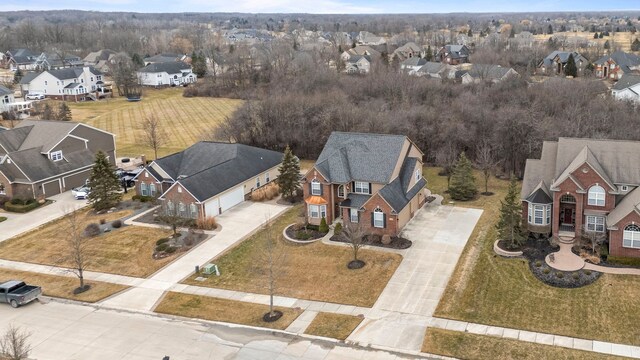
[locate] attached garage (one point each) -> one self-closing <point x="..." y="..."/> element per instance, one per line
<point x="76" y="180"/>
<point x="232" y="198"/>
<point x="52" y="188"/>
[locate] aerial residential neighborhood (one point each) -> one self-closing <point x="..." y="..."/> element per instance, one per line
<point x="319" y="180"/>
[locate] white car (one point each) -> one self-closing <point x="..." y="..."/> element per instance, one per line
<point x="35" y="96"/>
<point x="80" y="193"/>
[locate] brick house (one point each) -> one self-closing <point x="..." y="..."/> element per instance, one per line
<point x="555" y="62"/>
<point x="372" y="179"/>
<point x="40" y="158"/>
<point x="453" y="54"/>
<point x="208" y="178"/>
<point x="616" y="65"/>
<point x="585" y="185"/>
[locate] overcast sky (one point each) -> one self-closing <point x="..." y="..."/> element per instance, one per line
<point x="321" y="6"/>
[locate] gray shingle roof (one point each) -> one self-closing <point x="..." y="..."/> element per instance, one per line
<point x="208" y="168"/>
<point x="348" y="157"/>
<point x="622" y="59"/>
<point x="71" y="73"/>
<point x="631" y="202"/>
<point x="44" y="134"/>
<point x="355" y="200"/>
<point x="28" y="77"/>
<point x="626" y="81"/>
<point x="488" y="71"/>
<point x="563" y="56"/>
<point x="414" y="61"/>
<point x="160" y="58"/>
<point x="5" y="91"/>
<point x="431" y="67"/>
<point x="173" y="67"/>
<point x="38" y="167"/>
<point x="397" y="193"/>
<point x="355" y="58"/>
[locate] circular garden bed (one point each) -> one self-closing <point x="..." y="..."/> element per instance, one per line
<point x="303" y="233"/>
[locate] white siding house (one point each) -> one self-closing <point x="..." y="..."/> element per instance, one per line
<point x="173" y="73"/>
<point x="627" y="88"/>
<point x="65" y="84"/>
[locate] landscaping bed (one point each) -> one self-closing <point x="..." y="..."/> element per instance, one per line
<point x="397" y="242"/>
<point x="23" y="206"/>
<point x="562" y="279"/>
<point x="300" y="232"/>
<point x="182" y="241"/>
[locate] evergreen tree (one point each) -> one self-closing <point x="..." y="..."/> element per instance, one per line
<point x="470" y="33"/>
<point x="104" y="184"/>
<point x="199" y="64"/>
<point x="509" y="225"/>
<point x="289" y="179"/>
<point x="64" y="113"/>
<point x="137" y="60"/>
<point x="47" y="113"/>
<point x="429" y="55"/>
<point x="635" y="46"/>
<point x="463" y="183"/>
<point x="595" y="35"/>
<point x="18" y="75"/>
<point x="550" y="30"/>
<point x="607" y="46"/>
<point x="570" y="69"/>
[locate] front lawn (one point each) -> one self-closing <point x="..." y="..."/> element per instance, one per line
<point x="313" y="272"/>
<point x="488" y="289"/>
<point x="63" y="286"/>
<point x="124" y="251"/>
<point x="216" y="309"/>
<point x="472" y="346"/>
<point x="337" y="326"/>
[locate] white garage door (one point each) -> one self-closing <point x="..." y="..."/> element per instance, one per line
<point x="232" y="198"/>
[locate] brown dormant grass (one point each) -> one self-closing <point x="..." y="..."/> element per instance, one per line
<point x="124" y="251"/>
<point x="230" y="311"/>
<point x="337" y="326"/>
<point x="62" y="286"/>
<point x="315" y="271"/>
<point x="184" y="121"/>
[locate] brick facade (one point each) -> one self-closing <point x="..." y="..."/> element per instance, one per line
<point x="616" y="236"/>
<point x="178" y="194"/>
<point x="327" y="194"/>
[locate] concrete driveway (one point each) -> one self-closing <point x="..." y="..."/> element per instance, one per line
<point x="75" y="332"/>
<point x="404" y="309"/>
<point x="236" y="224"/>
<point x="17" y="224"/>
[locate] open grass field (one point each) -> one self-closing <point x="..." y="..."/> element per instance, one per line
<point x="472" y="346"/>
<point x="337" y="326"/>
<point x="126" y="251"/>
<point x="215" y="309"/>
<point x="492" y="290"/>
<point x="314" y="271"/>
<point x="184" y="121"/>
<point x="62" y="286"/>
<point x="622" y="40"/>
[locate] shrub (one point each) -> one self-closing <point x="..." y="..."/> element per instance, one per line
<point x="207" y="223"/>
<point x="135" y="198"/>
<point x="116" y="224"/>
<point x="17" y="201"/>
<point x="92" y="230"/>
<point x="103" y="221"/>
<point x="386" y="239"/>
<point x="303" y="235"/>
<point x="619" y="260"/>
<point x="171" y="249"/>
<point x="266" y="192"/>
<point x="21" y="207"/>
<point x="162" y="241"/>
<point x="2" y="218"/>
<point x="3" y="200"/>
<point x="145" y="199"/>
<point x="546" y="270"/>
<point x="338" y="229"/>
<point x="323" y="228"/>
<point x="538" y="263"/>
<point x="559" y="275"/>
<point x="575" y="276"/>
<point x="587" y="272"/>
<point x="162" y="247"/>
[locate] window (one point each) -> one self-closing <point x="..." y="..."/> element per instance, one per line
<point x="418" y="174"/>
<point x="169" y="207"/>
<point x="258" y="182"/>
<point x="144" y="191"/>
<point x="596" y="196"/>
<point x="378" y="219"/>
<point x="2" y="190"/>
<point x="631" y="237"/>
<point x="146" y="174"/>
<point x="567" y="198"/>
<point x="56" y="155"/>
<point x="354" y="216"/>
<point x="316" y="188"/>
<point x="182" y="209"/>
<point x="152" y="189"/>
<point x="595" y="223"/>
<point x="539" y="214"/>
<point x="266" y="178"/>
<point x="624" y="188"/>
<point x="317" y="211"/>
<point x="193" y="209"/>
<point x="341" y="191"/>
<point x="548" y="214"/>
<point x="179" y="189"/>
<point x="361" y="187"/>
<point x="92" y="78"/>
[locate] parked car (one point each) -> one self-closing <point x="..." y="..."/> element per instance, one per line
<point x="80" y="193"/>
<point x="17" y="293"/>
<point x="35" y="97"/>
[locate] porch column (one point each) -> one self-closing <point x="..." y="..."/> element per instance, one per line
<point x="555" y="219"/>
<point x="579" y="213"/>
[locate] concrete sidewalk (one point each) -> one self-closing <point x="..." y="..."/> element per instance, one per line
<point x="17" y="224"/>
<point x="236" y="224"/>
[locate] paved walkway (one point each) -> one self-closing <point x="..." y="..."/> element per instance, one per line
<point x="17" y="224"/>
<point x="399" y="316"/>
<point x="565" y="260"/>
<point x="236" y="224"/>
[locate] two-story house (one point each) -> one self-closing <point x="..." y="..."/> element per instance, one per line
<point x="40" y="158"/>
<point x="371" y="179"/>
<point x="25" y="60"/>
<point x="70" y="84"/>
<point x="555" y="62"/>
<point x="453" y="54"/>
<point x="412" y="64"/>
<point x="208" y="178"/>
<point x="627" y="88"/>
<point x="616" y="65"/>
<point x="585" y="185"/>
<point x="408" y="50"/>
<point x="173" y="73"/>
<point x="358" y="64"/>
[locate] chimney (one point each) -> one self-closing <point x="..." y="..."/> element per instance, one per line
<point x="143" y="158"/>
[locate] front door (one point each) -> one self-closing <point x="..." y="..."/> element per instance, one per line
<point x="568" y="216"/>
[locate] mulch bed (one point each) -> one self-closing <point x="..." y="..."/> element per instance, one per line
<point x="398" y="243"/>
<point x="271" y="317"/>
<point x="183" y="242"/>
<point x="355" y="264"/>
<point x="304" y="234"/>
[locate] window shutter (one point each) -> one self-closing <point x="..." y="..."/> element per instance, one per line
<point x="372" y="219"/>
<point x="321" y="189"/>
<point x="369" y="188"/>
<point x="384" y="221"/>
<point x="358" y="216"/>
<point x="353" y="186"/>
<point x="310" y="187"/>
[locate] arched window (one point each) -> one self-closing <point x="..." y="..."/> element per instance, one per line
<point x="631" y="236"/>
<point x="596" y="196"/>
<point x="341" y="191"/>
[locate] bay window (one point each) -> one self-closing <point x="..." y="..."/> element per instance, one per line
<point x="539" y="214"/>
<point x="317" y="211"/>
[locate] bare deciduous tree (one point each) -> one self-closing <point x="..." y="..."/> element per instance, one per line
<point x="271" y="266"/>
<point x="154" y="137"/>
<point x="486" y="161"/>
<point x="354" y="234"/>
<point x="78" y="249"/>
<point x="594" y="238"/>
<point x="14" y="344"/>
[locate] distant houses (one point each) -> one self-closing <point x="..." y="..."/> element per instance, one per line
<point x="367" y="38"/>
<point x="27" y="60"/>
<point x="627" y="88"/>
<point x="175" y="73"/>
<point x="358" y="64"/>
<point x="453" y="54"/>
<point x="488" y="73"/>
<point x="555" y="63"/>
<point x="616" y="65"/>
<point x="70" y="84"/>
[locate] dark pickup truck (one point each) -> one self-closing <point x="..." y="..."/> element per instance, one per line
<point x="18" y="293"/>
